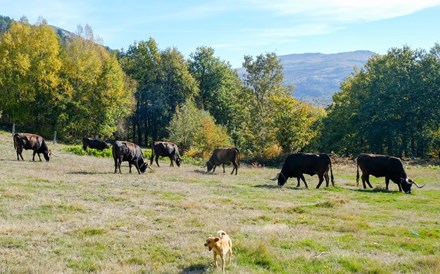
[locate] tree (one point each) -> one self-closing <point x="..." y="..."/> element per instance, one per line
<point x="293" y="123"/>
<point x="98" y="93"/>
<point x="263" y="79"/>
<point x="195" y="130"/>
<point x="163" y="82"/>
<point x="390" y="106"/>
<point x="29" y="75"/>
<point x="219" y="87"/>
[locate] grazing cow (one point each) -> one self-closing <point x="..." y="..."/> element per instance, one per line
<point x="127" y="151"/>
<point x="383" y="166"/>
<point x="298" y="164"/>
<point x="94" y="143"/>
<point x="165" y="149"/>
<point x="31" y="141"/>
<point x="222" y="156"/>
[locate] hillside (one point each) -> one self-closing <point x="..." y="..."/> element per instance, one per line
<point x="317" y="76"/>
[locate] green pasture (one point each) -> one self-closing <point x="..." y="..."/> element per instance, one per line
<point x="74" y="215"/>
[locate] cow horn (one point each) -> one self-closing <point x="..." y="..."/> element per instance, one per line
<point x="412" y="182"/>
<point x="276" y="177"/>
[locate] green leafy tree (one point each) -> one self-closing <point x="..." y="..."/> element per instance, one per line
<point x="195" y="131"/>
<point x="388" y="106"/>
<point x="219" y="86"/>
<point x="163" y="82"/>
<point x="263" y="79"/>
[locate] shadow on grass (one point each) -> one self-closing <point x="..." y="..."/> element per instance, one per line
<point x="195" y="268"/>
<point x="200" y="171"/>
<point x="275" y="186"/>
<point x="82" y="172"/>
<point x="374" y="190"/>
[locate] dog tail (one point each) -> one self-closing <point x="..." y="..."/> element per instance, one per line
<point x="221" y="233"/>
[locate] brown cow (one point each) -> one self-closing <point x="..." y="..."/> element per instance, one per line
<point x="127" y="151"/>
<point x="298" y="164"/>
<point x="383" y="166"/>
<point x="31" y="141"/>
<point x="222" y="156"/>
<point x="165" y="149"/>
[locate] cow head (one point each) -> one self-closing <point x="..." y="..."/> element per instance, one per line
<point x="178" y="160"/>
<point x="282" y="179"/>
<point x="142" y="165"/>
<point x="209" y="165"/>
<point x="407" y="183"/>
<point x="47" y="155"/>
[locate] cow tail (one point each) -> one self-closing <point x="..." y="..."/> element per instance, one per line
<point x="331" y="172"/>
<point x="238" y="156"/>
<point x="357" y="173"/>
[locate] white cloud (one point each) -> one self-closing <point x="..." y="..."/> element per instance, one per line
<point x="345" y="10"/>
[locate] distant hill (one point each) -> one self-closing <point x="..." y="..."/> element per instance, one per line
<point x="317" y="76"/>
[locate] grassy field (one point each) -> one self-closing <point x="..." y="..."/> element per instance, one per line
<point x="74" y="215"/>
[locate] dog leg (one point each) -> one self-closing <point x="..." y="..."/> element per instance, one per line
<point x="215" y="259"/>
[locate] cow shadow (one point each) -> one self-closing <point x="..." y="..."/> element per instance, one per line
<point x="277" y="187"/>
<point x="82" y="172"/>
<point x="195" y="269"/>
<point x="375" y="190"/>
<point x="199" y="171"/>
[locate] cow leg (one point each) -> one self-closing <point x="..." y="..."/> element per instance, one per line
<point x="304" y="180"/>
<point x="235" y="168"/>
<point x="171" y="162"/>
<point x="327" y="179"/>
<point x="116" y="164"/>
<point x="223" y="168"/>
<point x="387" y="182"/>
<point x="364" y="178"/>
<point x="129" y="166"/>
<point x="298" y="179"/>
<point x="213" y="169"/>
<point x="368" y="181"/>
<point x="321" y="179"/>
<point x="400" y="187"/>
<point x="19" y="154"/>
<point x="157" y="160"/>
<point x="137" y="167"/>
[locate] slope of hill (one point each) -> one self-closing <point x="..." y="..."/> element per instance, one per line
<point x="317" y="76"/>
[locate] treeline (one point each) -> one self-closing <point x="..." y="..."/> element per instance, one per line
<point x="77" y="87"/>
<point x="391" y="105"/>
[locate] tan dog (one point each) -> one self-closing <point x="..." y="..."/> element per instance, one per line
<point x="220" y="245"/>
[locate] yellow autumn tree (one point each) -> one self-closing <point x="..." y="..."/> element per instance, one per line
<point x="29" y="74"/>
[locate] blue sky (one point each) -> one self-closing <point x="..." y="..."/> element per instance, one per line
<point x="235" y="28"/>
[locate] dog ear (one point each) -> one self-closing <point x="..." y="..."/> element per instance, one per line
<point x="216" y="239"/>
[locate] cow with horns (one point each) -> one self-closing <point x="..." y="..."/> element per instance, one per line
<point x="130" y="152"/>
<point x="384" y="166"/>
<point x="31" y="141"/>
<point x="298" y="164"/>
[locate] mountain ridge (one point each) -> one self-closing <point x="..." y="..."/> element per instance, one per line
<point x="317" y="76"/>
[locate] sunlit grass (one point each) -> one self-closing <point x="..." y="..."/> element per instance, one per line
<point x="75" y="215"/>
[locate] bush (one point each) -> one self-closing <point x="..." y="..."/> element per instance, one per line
<point x="77" y="149"/>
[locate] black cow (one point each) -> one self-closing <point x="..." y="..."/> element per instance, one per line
<point x="127" y="151"/>
<point x="222" y="156"/>
<point x="298" y="164"/>
<point x="94" y="143"/>
<point x="31" y="141"/>
<point x="165" y="149"/>
<point x="383" y="166"/>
